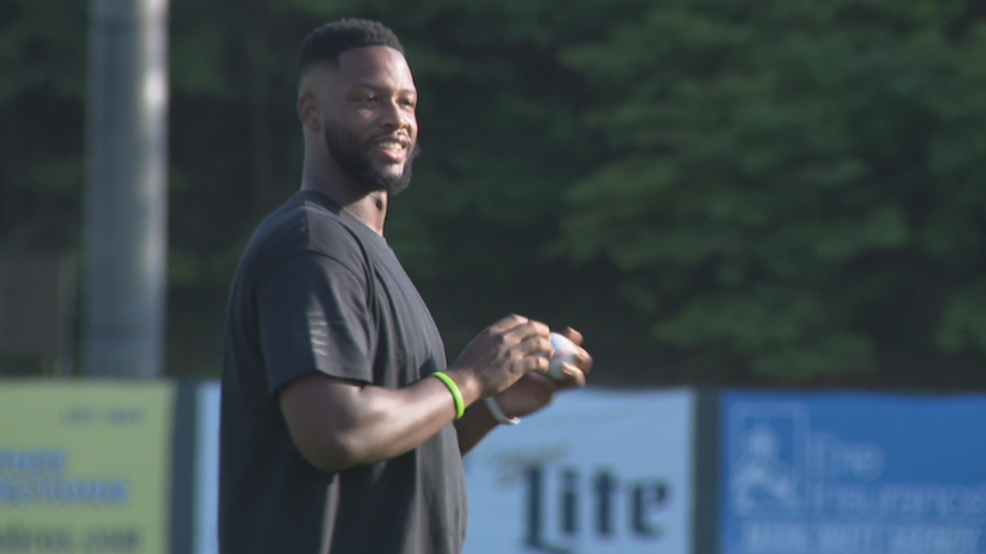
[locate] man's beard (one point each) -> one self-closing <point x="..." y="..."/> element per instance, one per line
<point x="352" y="157"/>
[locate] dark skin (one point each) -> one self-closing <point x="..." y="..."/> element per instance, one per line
<point x="337" y="424"/>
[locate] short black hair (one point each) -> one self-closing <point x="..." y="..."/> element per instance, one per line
<point x="324" y="45"/>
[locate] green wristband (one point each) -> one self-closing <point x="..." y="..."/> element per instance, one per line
<point x="460" y="405"/>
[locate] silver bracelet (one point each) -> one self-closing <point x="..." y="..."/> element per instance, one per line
<point x="498" y="414"/>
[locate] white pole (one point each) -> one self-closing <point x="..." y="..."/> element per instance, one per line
<point x="126" y="189"/>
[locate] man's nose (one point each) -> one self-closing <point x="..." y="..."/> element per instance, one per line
<point x="393" y="117"/>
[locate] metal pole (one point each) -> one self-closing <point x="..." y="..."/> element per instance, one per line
<point x="126" y="189"/>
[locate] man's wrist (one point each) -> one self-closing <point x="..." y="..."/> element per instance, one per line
<point x="453" y="387"/>
<point x="494" y="408"/>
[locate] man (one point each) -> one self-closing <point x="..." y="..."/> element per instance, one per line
<point x="336" y="402"/>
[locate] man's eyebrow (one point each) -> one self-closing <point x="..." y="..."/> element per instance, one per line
<point x="379" y="87"/>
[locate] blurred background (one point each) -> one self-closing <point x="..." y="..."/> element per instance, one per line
<point x="715" y="192"/>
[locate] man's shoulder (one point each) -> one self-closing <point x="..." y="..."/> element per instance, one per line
<point x="307" y="223"/>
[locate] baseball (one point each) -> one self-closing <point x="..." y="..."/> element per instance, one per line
<point x="566" y="351"/>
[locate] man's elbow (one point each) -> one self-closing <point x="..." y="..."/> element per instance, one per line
<point x="332" y="454"/>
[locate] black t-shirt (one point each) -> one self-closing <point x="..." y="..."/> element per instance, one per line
<point x="317" y="290"/>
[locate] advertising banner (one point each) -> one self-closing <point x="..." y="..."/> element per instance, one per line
<point x="596" y="472"/>
<point x="843" y="473"/>
<point x="84" y="467"/>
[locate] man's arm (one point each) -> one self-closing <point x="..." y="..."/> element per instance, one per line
<point x="475" y="424"/>
<point x="338" y="424"/>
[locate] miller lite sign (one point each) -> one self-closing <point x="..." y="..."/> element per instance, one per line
<point x="596" y="472"/>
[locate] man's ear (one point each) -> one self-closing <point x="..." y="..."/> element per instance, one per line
<point x="309" y="112"/>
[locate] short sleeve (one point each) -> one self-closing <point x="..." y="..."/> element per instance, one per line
<point x="313" y="316"/>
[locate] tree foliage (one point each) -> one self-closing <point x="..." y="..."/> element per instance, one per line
<point x="719" y="191"/>
<point x="796" y="188"/>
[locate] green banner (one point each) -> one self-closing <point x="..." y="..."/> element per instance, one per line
<point x="85" y="466"/>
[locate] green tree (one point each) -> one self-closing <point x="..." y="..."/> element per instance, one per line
<point x="796" y="188"/>
<point x="42" y="73"/>
<point x="712" y="190"/>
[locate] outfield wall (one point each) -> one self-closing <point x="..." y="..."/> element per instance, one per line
<point x="131" y="467"/>
<point x="86" y="466"/>
<point x="843" y="473"/>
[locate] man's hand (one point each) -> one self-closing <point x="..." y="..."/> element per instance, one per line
<point x="535" y="391"/>
<point x="503" y="353"/>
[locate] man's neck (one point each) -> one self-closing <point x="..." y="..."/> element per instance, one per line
<point x="369" y="208"/>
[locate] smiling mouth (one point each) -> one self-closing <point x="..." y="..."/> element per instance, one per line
<point x="393" y="148"/>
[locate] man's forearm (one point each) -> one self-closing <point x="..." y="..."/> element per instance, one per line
<point x="337" y="424"/>
<point x="474" y="426"/>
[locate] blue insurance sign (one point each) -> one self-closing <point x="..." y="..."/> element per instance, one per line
<point x="852" y="473"/>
